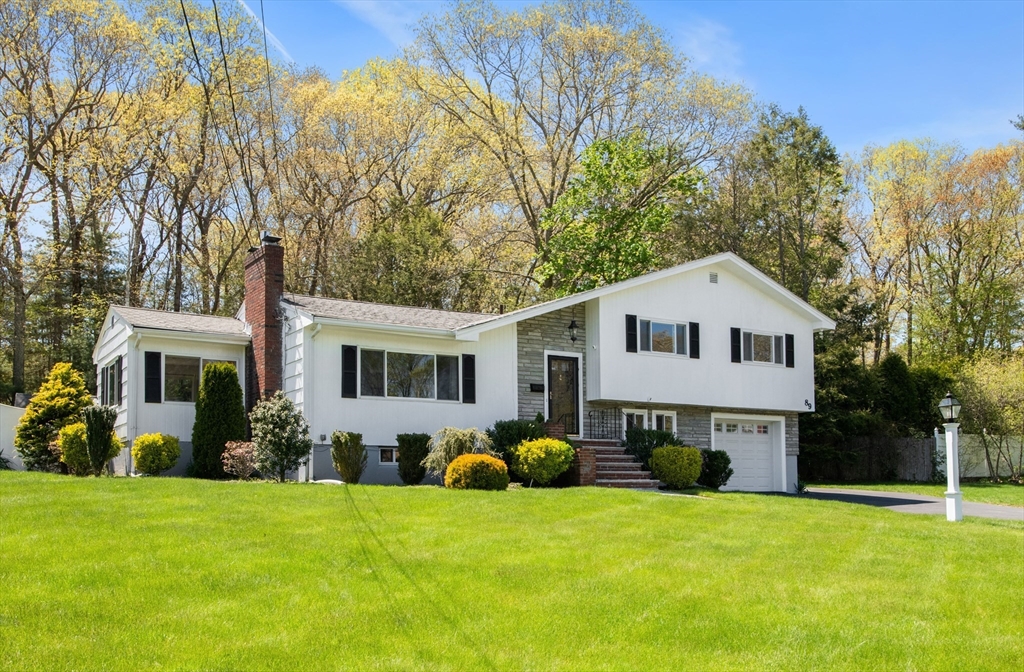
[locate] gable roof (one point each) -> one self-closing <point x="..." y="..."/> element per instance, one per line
<point x="344" y="310"/>
<point x="733" y="262"/>
<point x="148" y="318"/>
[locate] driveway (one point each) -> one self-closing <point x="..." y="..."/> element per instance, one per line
<point x="905" y="502"/>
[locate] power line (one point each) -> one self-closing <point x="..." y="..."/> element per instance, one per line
<point x="273" y="122"/>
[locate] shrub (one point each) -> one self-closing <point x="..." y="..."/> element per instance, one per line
<point x="412" y="450"/>
<point x="72" y="450"/>
<point x="154" y="453"/>
<point x="58" y="403"/>
<point x="676" y="466"/>
<point x="349" y="455"/>
<point x="450" y="442"/>
<point x="280" y="436"/>
<point x="102" y="443"/>
<point x="542" y="460"/>
<point x="220" y="417"/>
<point x="640" y="443"/>
<point x="507" y="434"/>
<point x="715" y="470"/>
<point x="239" y="459"/>
<point x="476" y="472"/>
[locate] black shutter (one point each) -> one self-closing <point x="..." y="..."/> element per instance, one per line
<point x="120" y="379"/>
<point x="694" y="340"/>
<point x="154" y="395"/>
<point x="469" y="379"/>
<point x="789" y="351"/>
<point x="737" y="349"/>
<point x="101" y="386"/>
<point x="630" y="333"/>
<point x="349" y="359"/>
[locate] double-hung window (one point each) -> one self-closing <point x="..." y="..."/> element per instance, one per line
<point x="666" y="337"/>
<point x="763" y="348"/>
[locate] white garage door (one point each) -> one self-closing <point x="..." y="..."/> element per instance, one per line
<point x="749" y="444"/>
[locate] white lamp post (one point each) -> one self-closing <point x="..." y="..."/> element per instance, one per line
<point x="950" y="409"/>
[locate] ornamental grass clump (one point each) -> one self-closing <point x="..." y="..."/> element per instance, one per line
<point x="58" y="403"/>
<point x="280" y="436"/>
<point x="348" y="455"/>
<point x="450" y="442"/>
<point x="238" y="459"/>
<point x="541" y="460"/>
<point x="676" y="466"/>
<point x="155" y="453"/>
<point x="472" y="471"/>
<point x="412" y="450"/>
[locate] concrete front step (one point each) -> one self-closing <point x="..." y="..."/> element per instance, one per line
<point x="644" y="483"/>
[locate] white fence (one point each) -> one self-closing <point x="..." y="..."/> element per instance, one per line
<point x="972" y="455"/>
<point x="9" y="418"/>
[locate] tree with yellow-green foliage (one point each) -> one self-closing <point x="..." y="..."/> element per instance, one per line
<point x="58" y="403"/>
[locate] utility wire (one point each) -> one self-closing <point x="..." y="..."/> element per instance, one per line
<point x="273" y="122"/>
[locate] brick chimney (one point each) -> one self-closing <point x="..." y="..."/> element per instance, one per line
<point x="264" y="287"/>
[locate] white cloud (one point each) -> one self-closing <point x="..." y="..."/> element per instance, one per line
<point x="392" y="18"/>
<point x="711" y="48"/>
<point x="276" y="43"/>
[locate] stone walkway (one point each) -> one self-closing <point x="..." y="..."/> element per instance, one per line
<point x="905" y="502"/>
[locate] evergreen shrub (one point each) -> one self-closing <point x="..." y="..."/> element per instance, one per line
<point x="220" y="417"/>
<point x="155" y="453"/>
<point x="412" y="450"/>
<point x="280" y="436"/>
<point x="101" y="442"/>
<point x="542" y="460"/>
<point x="640" y="443"/>
<point x="507" y="434"/>
<point x="471" y="471"/>
<point x="676" y="466"/>
<point x="715" y="470"/>
<point x="72" y="449"/>
<point x="58" y="403"/>
<point x="349" y="455"/>
<point x="450" y="442"/>
<point x="239" y="459"/>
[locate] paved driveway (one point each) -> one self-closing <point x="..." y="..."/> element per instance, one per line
<point x="911" y="503"/>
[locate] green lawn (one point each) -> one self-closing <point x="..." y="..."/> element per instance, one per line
<point x="173" y="573"/>
<point x="985" y="492"/>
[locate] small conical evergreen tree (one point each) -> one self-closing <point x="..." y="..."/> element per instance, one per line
<point x="220" y="417"/>
<point x="59" y="402"/>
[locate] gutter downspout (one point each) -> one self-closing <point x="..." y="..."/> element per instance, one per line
<point x="307" y="394"/>
<point x="133" y="411"/>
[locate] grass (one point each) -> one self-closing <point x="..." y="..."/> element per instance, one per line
<point x="173" y="573"/>
<point x="974" y="491"/>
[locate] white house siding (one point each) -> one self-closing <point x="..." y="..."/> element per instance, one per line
<point x="10" y="416"/>
<point x="171" y="417"/>
<point x="713" y="380"/>
<point x="114" y="342"/>
<point x="548" y="332"/>
<point x="295" y="341"/>
<point x="379" y="419"/>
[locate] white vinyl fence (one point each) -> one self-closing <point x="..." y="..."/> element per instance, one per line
<point x="972" y="455"/>
<point x="9" y="418"/>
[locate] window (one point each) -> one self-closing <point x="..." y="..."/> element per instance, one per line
<point x="664" y="337"/>
<point x="762" y="429"/>
<point x="718" y="427"/>
<point x="372" y="378"/>
<point x="764" y="348"/>
<point x="731" y="428"/>
<point x="634" y="419"/>
<point x="665" y="421"/>
<point x="407" y="375"/>
<point x="181" y="378"/>
<point x="388" y="455"/>
<point x="747" y="429"/>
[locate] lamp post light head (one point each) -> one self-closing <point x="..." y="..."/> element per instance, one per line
<point x="949" y="407"/>
<point x="573" y="327"/>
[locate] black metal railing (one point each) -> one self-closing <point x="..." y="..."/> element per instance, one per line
<point x="604" y="423"/>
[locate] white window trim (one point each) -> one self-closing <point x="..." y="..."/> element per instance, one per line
<point x="382" y="463"/>
<point x="675" y="341"/>
<point x="762" y="332"/>
<point x="579" y="386"/>
<point x="777" y="432"/>
<point x="634" y="411"/>
<point x="654" y="420"/>
<point x="386" y="396"/>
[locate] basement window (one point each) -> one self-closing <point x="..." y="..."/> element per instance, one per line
<point x="388" y="455"/>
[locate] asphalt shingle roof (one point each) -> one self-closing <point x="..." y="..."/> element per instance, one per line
<point x="378" y="313"/>
<point x="147" y="318"/>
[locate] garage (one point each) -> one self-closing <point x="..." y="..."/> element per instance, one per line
<point x="749" y="445"/>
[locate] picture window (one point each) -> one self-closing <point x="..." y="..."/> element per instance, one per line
<point x="181" y="378"/>
<point x="408" y="375"/>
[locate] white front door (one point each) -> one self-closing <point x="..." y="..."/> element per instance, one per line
<point x="749" y="445"/>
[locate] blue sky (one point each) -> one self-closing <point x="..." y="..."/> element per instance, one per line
<point x="867" y="72"/>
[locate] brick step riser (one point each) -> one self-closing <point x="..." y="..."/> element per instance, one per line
<point x="651" y="485"/>
<point x="625" y="476"/>
<point x="619" y="466"/>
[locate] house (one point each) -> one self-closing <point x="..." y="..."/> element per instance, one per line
<point x="712" y="350"/>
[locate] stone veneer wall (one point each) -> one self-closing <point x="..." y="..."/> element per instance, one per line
<point x="693" y="423"/>
<point x="548" y="332"/>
